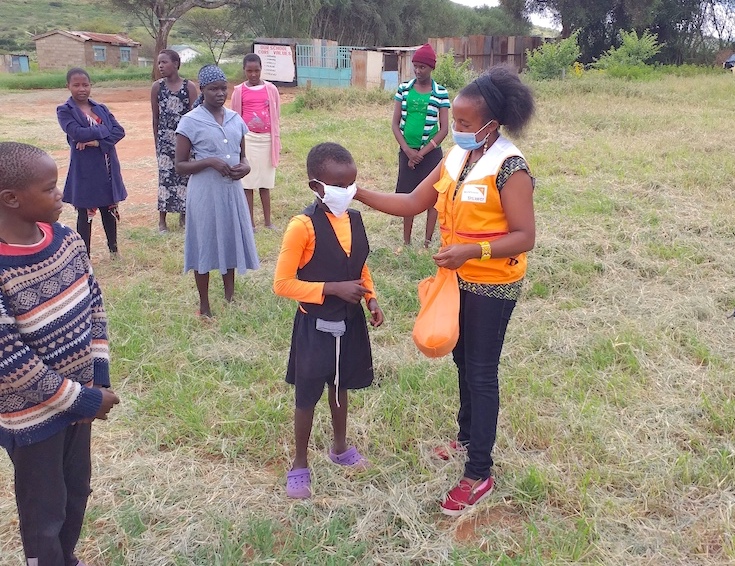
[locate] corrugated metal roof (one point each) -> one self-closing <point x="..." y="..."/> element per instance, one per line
<point x="113" y="38"/>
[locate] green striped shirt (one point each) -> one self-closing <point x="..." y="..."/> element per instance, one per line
<point x="439" y="98"/>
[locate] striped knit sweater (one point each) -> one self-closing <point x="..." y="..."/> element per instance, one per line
<point x="53" y="337"/>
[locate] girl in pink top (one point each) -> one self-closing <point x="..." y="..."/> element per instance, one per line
<point x="259" y="104"/>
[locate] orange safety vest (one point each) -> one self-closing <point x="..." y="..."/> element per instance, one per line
<point x="474" y="213"/>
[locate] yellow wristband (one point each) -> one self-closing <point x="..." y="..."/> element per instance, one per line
<point x="487" y="251"/>
<point x="432" y="142"/>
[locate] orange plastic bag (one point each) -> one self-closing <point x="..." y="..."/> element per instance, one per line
<point x="436" y="329"/>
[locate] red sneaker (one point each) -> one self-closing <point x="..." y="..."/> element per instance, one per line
<point x="445" y="452"/>
<point x="466" y="495"/>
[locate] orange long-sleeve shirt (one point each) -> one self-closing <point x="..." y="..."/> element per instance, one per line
<point x="296" y="251"/>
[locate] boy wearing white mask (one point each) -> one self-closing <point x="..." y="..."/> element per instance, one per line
<point x="322" y="266"/>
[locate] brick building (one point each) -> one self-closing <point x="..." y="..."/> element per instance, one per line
<point x="59" y="49"/>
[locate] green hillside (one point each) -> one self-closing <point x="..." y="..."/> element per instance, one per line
<point x="20" y="20"/>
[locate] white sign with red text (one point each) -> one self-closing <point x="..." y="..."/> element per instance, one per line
<point x="278" y="62"/>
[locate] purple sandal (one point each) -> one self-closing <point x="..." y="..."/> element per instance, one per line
<point x="350" y="458"/>
<point x="298" y="483"/>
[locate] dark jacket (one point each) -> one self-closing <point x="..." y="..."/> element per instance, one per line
<point x="92" y="181"/>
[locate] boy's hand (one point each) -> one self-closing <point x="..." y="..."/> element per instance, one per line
<point x="349" y="291"/>
<point x="376" y="313"/>
<point x="109" y="399"/>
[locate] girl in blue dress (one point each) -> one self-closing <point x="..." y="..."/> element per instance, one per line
<point x="219" y="232"/>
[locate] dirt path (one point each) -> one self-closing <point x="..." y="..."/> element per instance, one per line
<point x="131" y="107"/>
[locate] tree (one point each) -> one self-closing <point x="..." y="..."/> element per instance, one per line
<point x="215" y="28"/>
<point x="159" y="16"/>
<point x="553" y="59"/>
<point x="376" y="22"/>
<point x="680" y="25"/>
<point x="633" y="50"/>
<point x="721" y="19"/>
<point x="279" y="18"/>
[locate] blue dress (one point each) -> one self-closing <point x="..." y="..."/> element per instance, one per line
<point x="219" y="232"/>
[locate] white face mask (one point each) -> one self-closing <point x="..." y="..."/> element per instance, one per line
<point x="337" y="199"/>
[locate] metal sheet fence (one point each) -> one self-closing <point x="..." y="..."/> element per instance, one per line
<point x="487" y="50"/>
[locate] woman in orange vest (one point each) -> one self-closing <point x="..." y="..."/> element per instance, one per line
<point x="483" y="191"/>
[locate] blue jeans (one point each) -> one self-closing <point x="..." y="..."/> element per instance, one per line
<point x="482" y="325"/>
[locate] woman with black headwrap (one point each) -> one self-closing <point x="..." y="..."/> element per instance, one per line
<point x="219" y="233"/>
<point x="483" y="192"/>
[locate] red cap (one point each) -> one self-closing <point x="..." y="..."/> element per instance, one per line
<point x="425" y="54"/>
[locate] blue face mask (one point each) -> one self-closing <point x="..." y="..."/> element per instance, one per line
<point x="466" y="140"/>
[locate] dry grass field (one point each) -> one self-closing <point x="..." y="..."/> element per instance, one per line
<point x="617" y="429"/>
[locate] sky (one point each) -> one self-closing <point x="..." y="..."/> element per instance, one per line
<point x="539" y="20"/>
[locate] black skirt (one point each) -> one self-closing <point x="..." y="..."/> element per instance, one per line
<point x="312" y="362"/>
<point x="409" y="179"/>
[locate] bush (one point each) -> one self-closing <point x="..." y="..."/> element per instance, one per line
<point x="688" y="70"/>
<point x="449" y="74"/>
<point x="631" y="72"/>
<point x="553" y="60"/>
<point x="633" y="51"/>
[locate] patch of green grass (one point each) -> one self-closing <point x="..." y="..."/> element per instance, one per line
<point x="531" y="487"/>
<point x="608" y="353"/>
<point x="57" y="79"/>
<point x="329" y="98"/>
<point x="720" y="412"/>
<point x="716" y="468"/>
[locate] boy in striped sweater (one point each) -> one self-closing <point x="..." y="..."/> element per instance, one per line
<point x="54" y="369"/>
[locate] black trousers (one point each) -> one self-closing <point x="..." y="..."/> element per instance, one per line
<point x="51" y="490"/>
<point x="109" y="223"/>
<point x="482" y="325"/>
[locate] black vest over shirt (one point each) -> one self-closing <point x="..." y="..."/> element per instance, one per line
<point x="330" y="262"/>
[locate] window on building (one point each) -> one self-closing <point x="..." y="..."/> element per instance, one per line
<point x="100" y="53"/>
<point x="125" y="53"/>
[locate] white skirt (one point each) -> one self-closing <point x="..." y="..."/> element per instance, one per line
<point x="258" y="151"/>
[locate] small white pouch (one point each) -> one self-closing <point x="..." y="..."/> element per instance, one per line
<point x="337" y="329"/>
